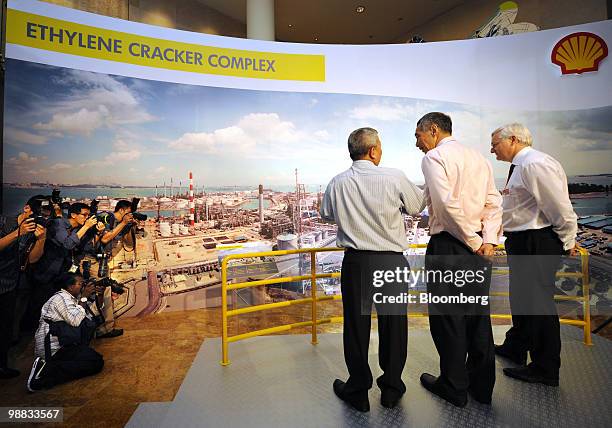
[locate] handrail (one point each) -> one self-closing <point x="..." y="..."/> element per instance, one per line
<point x="313" y="299"/>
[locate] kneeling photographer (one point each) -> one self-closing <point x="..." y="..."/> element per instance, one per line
<point x="67" y="324"/>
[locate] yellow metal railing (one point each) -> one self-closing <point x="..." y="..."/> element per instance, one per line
<point x="313" y="299"/>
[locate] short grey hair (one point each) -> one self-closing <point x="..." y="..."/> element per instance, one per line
<point x="517" y="130"/>
<point x="360" y="141"/>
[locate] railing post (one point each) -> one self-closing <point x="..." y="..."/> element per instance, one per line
<point x="225" y="359"/>
<point x="313" y="294"/>
<point x="586" y="308"/>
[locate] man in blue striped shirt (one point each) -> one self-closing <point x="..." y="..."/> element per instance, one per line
<point x="366" y="202"/>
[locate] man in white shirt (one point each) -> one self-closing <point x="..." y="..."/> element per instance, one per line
<point x="54" y="363"/>
<point x="540" y="225"/>
<point x="366" y="202"/>
<point x="465" y="224"/>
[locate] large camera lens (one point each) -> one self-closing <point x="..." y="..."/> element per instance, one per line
<point x="103" y="265"/>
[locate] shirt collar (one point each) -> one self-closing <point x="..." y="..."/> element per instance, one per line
<point x="446" y="140"/>
<point x="520" y="156"/>
<point x="362" y="163"/>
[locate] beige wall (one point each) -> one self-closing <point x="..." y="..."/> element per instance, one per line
<point x="458" y="23"/>
<point x="462" y="21"/>
<point x="182" y="14"/>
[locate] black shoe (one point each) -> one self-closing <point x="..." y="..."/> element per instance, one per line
<point x="531" y="375"/>
<point x="8" y="373"/>
<point x="519" y="358"/>
<point x="389" y="398"/>
<point x="432" y="384"/>
<point x="362" y="405"/>
<point x="113" y="333"/>
<point x="480" y="399"/>
<point x="34" y="380"/>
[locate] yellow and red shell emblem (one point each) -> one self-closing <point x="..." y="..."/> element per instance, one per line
<point x="579" y="52"/>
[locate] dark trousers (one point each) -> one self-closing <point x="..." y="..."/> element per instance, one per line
<point x="7" y="311"/>
<point x="70" y="363"/>
<point x="357" y="298"/>
<point x="462" y="333"/>
<point x="533" y="259"/>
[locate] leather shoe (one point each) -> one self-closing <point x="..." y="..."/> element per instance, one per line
<point x="443" y="391"/>
<point x="519" y="358"/>
<point x="113" y="333"/>
<point x="389" y="398"/>
<point x="362" y="405"/>
<point x="531" y="375"/>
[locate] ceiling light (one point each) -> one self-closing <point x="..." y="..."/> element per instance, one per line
<point x="290" y="25"/>
<point x="360" y="9"/>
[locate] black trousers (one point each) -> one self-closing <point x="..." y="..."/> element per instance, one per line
<point x="70" y="363"/>
<point x="462" y="333"/>
<point x="7" y="311"/>
<point x="533" y="259"/>
<point x="357" y="297"/>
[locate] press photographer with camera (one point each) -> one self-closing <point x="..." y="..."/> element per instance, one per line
<point x="67" y="323"/>
<point x="22" y="241"/>
<point x="63" y="238"/>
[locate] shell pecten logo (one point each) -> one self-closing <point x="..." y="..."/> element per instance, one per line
<point x="578" y="53"/>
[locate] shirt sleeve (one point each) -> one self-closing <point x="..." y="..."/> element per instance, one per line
<point x="447" y="207"/>
<point x="63" y="237"/>
<point x="492" y="213"/>
<point x="327" y="209"/>
<point x="411" y="196"/>
<point x="548" y="185"/>
<point x="65" y="309"/>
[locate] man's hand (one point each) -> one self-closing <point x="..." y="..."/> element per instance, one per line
<point x="573" y="251"/>
<point x="87" y="290"/>
<point x="27" y="226"/>
<point x="486" y="250"/>
<point x="91" y="221"/>
<point x="100" y="226"/>
<point x="128" y="218"/>
<point x="40" y="232"/>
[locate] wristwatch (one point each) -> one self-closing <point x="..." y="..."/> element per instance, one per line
<point x="84" y="300"/>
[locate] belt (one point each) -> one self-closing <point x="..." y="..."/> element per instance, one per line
<point x="354" y="251"/>
<point x="509" y="234"/>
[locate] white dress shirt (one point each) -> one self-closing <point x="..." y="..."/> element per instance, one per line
<point x="365" y="202"/>
<point x="461" y="195"/>
<point x="536" y="196"/>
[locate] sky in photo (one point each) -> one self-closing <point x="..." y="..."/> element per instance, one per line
<point x="69" y="126"/>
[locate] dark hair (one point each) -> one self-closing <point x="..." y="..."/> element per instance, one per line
<point x="77" y="207"/>
<point x="442" y="120"/>
<point x="122" y="204"/>
<point x="35" y="202"/>
<point x="66" y="280"/>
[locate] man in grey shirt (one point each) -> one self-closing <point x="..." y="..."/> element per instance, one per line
<point x="366" y="202"/>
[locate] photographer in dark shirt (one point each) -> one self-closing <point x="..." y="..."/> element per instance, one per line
<point x="63" y="238"/>
<point x="22" y="242"/>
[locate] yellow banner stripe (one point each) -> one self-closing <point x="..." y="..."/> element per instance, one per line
<point x="66" y="37"/>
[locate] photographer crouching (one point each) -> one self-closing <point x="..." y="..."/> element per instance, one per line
<point x="67" y="324"/>
<point x="22" y="241"/>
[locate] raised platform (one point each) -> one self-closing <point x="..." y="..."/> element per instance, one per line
<point x="283" y="381"/>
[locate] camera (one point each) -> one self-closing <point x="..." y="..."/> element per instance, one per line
<point x="93" y="207"/>
<point x="138" y="216"/>
<point x="109" y="282"/>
